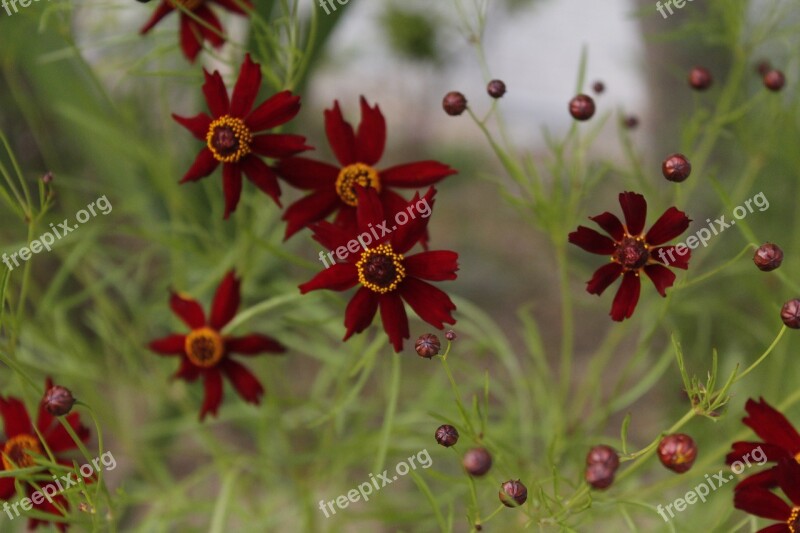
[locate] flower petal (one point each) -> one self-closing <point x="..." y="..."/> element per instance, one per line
<point x="226" y="301"/>
<point x="190" y="38"/>
<point x="233" y="5"/>
<point x="407" y="235"/>
<point x="197" y="124"/>
<point x="671" y="224"/>
<point x="763" y="503"/>
<point x="771" y="425"/>
<point x="431" y="304"/>
<point x="213" y="392"/>
<point x="634" y="207"/>
<point x="15" y="417"/>
<point x="340" y="135"/>
<point x="243" y="381"/>
<point x="394" y="318"/>
<point x="278" y="146"/>
<point x="253" y="344"/>
<point x="309" y="209"/>
<point x="332" y="236"/>
<point x="419" y="174"/>
<point x="274" y="111"/>
<point x="627" y="297"/>
<point x="59" y="440"/>
<point x="669" y="256"/>
<point x="370" y="209"/>
<point x="215" y="36"/>
<point x="262" y="177"/>
<point x="187" y="310"/>
<point x="603" y="277"/>
<point x="592" y="241"/>
<point x="360" y="311"/>
<point x="766" y="479"/>
<point x="305" y="173"/>
<point x="371" y="137"/>
<point x="163" y="9"/>
<point x="611" y="224"/>
<point x="171" y="345"/>
<point x="433" y="266"/>
<point x="231" y="186"/>
<point x="7" y="488"/>
<point x="216" y="94"/>
<point x="204" y="164"/>
<point x="770" y="452"/>
<point x="246" y="89"/>
<point x="187" y="371"/>
<point x="661" y="276"/>
<point x="338" y="277"/>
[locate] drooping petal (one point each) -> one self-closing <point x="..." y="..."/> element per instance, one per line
<point x="360" y="311"/>
<point x="191" y="43"/>
<point x="204" y="164"/>
<point x="394" y="319"/>
<point x="243" y="381"/>
<point x="338" y="277"/>
<point x="371" y="138"/>
<point x="405" y="236"/>
<point x="671" y="224"/>
<point x="233" y="5"/>
<point x="197" y="124"/>
<point x="187" y="310"/>
<point x="661" y="276"/>
<point x="769" y="424"/>
<point x="216" y="94"/>
<point x="231" y="186"/>
<point x="213" y="392"/>
<point x="262" y="176"/>
<point x="603" y="277"/>
<point x="274" y="111"/>
<point x="163" y="9"/>
<point x="215" y="36"/>
<point x="246" y="89"/>
<point x="634" y="207"/>
<point x="627" y="297"/>
<point x="611" y="224"/>
<point x="340" y="135"/>
<point x="433" y="266"/>
<point x="226" y="301"/>
<point x="419" y="174"/>
<point x="309" y="209"/>
<point x="592" y="241"/>
<point x="171" y="345"/>
<point x="15" y="417"/>
<point x="762" y="503"/>
<point x="669" y="256"/>
<point x="431" y="304"/>
<point x="305" y="173"/>
<point x="252" y="344"/>
<point x="278" y="146"/>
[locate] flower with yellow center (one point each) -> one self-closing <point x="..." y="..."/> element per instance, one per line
<point x="380" y="269"/>
<point x="204" y="347"/>
<point x="229" y="139"/>
<point x="794" y="520"/>
<point x="352" y="175"/>
<point x="15" y="452"/>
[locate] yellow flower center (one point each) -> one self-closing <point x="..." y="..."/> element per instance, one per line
<point x="15" y="452"/>
<point x="190" y="5"/>
<point x="204" y="347"/>
<point x="228" y="139"/>
<point x="380" y="269"/>
<point x="794" y="520"/>
<point x="356" y="174"/>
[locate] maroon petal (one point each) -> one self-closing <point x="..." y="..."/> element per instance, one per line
<point x="433" y="266"/>
<point x="789" y="479"/>
<point x="340" y="135"/>
<point x="306" y="173"/>
<point x="231" y="186"/>
<point x="171" y="345"/>
<point x="772" y="452"/>
<point x="669" y="256"/>
<point x="370" y="209"/>
<point x="187" y="310"/>
<point x="394" y="203"/>
<point x="346" y="220"/>
<point x="762" y="503"/>
<point x="59" y="440"/>
<point x="627" y="297"/>
<point x="332" y="236"/>
<point x="276" y="110"/>
<point x="765" y="479"/>
<point x="419" y="174"/>
<point x="233" y="5"/>
<point x="775" y="528"/>
<point x="661" y="276"/>
<point x="394" y="318"/>
<point x="407" y="235"/>
<point x="771" y="425"/>
<point x="338" y="277"/>
<point x="15" y="417"/>
<point x="312" y="208"/>
<point x="216" y="94"/>
<point x="278" y="146"/>
<point x="262" y="177"/>
<point x="431" y="304"/>
<point x="215" y="36"/>
<point x="226" y="301"/>
<point x="204" y="164"/>
<point x="671" y="224"/>
<point x="611" y="224"/>
<point x="360" y="311"/>
<point x="187" y="371"/>
<point x="253" y="344"/>
<point x="246" y="89"/>
<point x="243" y="381"/>
<point x="7" y="488"/>
<point x="371" y="138"/>
<point x="197" y="124"/>
<point x="190" y="38"/>
<point x="603" y="277"/>
<point x="592" y="241"/>
<point x="634" y="207"/>
<point x="163" y="9"/>
<point x="213" y="392"/>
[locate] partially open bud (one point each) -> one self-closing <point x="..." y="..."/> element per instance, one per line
<point x="477" y="461"/>
<point x="446" y="435"/>
<point x="790" y="313"/>
<point x="677" y="452"/>
<point x="700" y="78"/>
<point x="602" y="463"/>
<point x="58" y="400"/>
<point x="496" y="88"/>
<point x="581" y="107"/>
<point x="428" y="345"/>
<point x="768" y="257"/>
<point x="513" y="493"/>
<point x="454" y="103"/>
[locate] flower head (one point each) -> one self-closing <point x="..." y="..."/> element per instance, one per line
<point x="760" y="501"/>
<point x="385" y="274"/>
<point x="334" y="186"/>
<point x="232" y="137"/>
<point x="206" y="351"/>
<point x="631" y="251"/>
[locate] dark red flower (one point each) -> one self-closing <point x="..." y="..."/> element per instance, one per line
<point x="333" y="186"/>
<point x="205" y="351"/>
<point x="22" y="442"/>
<point x="779" y="440"/>
<point x="194" y="33"/>
<point x="761" y="502"/>
<point x="632" y="251"/>
<point x="386" y="275"/>
<point x="229" y="134"/>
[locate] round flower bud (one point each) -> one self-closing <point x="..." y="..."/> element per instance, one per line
<point x="496" y="88"/>
<point x="428" y="345"/>
<point x="477" y="461"/>
<point x="513" y="493"/>
<point x="454" y="103"/>
<point x="700" y="78"/>
<point x="58" y="400"/>
<point x="581" y="107"/>
<point x="450" y="335"/>
<point x="676" y="168"/>
<point x="790" y="313"/>
<point x="602" y="463"/>
<point x="631" y="122"/>
<point x="599" y="87"/>
<point x="48" y="177"/>
<point x="677" y="452"/>
<point x="774" y="80"/>
<point x="768" y="257"/>
<point x="446" y="435"/>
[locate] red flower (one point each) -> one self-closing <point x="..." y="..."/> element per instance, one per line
<point x="632" y="251"/>
<point x="334" y="186"/>
<point x="780" y="440"/>
<point x="22" y="443"/>
<point x="194" y="33"/>
<point x="229" y="134"/>
<point x="761" y="502"/>
<point x="205" y="351"/>
<point x="386" y="276"/>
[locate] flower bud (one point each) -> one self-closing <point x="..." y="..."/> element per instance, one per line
<point x="454" y="103"/>
<point x="581" y="107"/>
<point x="450" y="335"/>
<point x="602" y="463"/>
<point x="48" y="177"/>
<point x="677" y="452"/>
<point x="446" y="435"/>
<point x="513" y="493"/>
<point x="774" y="80"/>
<point x="676" y="168"/>
<point x="477" y="461"/>
<point x="700" y="78"/>
<point x="763" y="67"/>
<point x="599" y="87"/>
<point x="631" y="122"/>
<point x="790" y="313"/>
<point x="58" y="400"/>
<point x="496" y="88"/>
<point x="768" y="257"/>
<point x="428" y="345"/>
